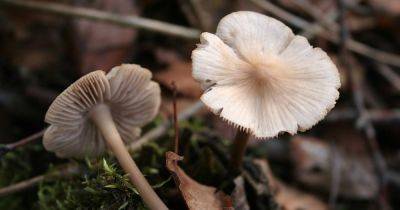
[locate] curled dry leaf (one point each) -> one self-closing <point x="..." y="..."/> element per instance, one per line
<point x="289" y="198"/>
<point x="196" y="195"/>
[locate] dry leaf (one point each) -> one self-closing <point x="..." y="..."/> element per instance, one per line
<point x="196" y="195"/>
<point x="391" y="7"/>
<point x="23" y="43"/>
<point x="179" y="71"/>
<point x="289" y="198"/>
<point x="102" y="45"/>
<point x="239" y="195"/>
<point x="293" y="199"/>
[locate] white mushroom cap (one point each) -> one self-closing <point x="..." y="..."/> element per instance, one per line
<point x="127" y="90"/>
<point x="261" y="77"/>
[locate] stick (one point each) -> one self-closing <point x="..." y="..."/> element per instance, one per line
<point x="389" y="75"/>
<point x="66" y="171"/>
<point x="92" y="14"/>
<point x="374" y="115"/>
<point x="362" y="49"/>
<point x="190" y="33"/>
<point x="357" y="78"/>
<point x="161" y="129"/>
<point x="26" y="140"/>
<point x="176" y="125"/>
<point x="336" y="164"/>
<point x="12" y="146"/>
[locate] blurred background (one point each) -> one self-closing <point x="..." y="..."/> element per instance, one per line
<point x="350" y="160"/>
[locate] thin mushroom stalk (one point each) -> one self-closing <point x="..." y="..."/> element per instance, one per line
<point x="102" y="117"/>
<point x="238" y="149"/>
<point x="101" y="111"/>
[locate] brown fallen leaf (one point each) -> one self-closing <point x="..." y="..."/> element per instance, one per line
<point x="293" y="199"/>
<point x="196" y="195"/>
<point x="102" y="45"/>
<point x="23" y="44"/>
<point x="177" y="70"/>
<point x="289" y="198"/>
<point x="239" y="195"/>
<point x="391" y="7"/>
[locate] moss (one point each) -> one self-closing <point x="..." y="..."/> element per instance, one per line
<point x="102" y="187"/>
<point x="103" y="184"/>
<point x="19" y="165"/>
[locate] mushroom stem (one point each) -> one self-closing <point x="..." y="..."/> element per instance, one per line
<point x="238" y="150"/>
<point x="102" y="117"/>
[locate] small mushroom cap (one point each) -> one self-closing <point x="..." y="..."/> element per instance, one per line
<point x="261" y="77"/>
<point x="127" y="90"/>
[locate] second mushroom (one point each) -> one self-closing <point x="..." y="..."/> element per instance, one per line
<point x="262" y="78"/>
<point x="105" y="110"/>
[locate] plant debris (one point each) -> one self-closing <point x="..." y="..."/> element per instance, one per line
<point x="196" y="195"/>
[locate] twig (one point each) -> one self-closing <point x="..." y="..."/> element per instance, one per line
<point x="336" y="162"/>
<point x="66" y="171"/>
<point x="176" y="124"/>
<point x="12" y="146"/>
<point x="92" y="14"/>
<point x="362" y="49"/>
<point x="390" y="75"/>
<point x="205" y="19"/>
<point x="357" y="78"/>
<point x="328" y="18"/>
<point x="374" y="115"/>
<point x="187" y="10"/>
<point x="315" y="28"/>
<point x="162" y="128"/>
<point x="190" y="33"/>
<point x="335" y="182"/>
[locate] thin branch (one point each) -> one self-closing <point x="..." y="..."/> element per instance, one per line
<point x="65" y="172"/>
<point x="357" y="76"/>
<point x="26" y="140"/>
<point x="162" y="128"/>
<point x="176" y="124"/>
<point x="92" y="14"/>
<point x="190" y="33"/>
<point x="362" y="49"/>
<point x="374" y="115"/>
<point x="20" y="186"/>
<point x="389" y="75"/>
<point x="315" y="28"/>
<point x="336" y="164"/>
<point x="12" y="146"/>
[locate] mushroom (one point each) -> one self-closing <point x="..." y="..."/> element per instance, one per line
<point x="263" y="79"/>
<point x="105" y="109"/>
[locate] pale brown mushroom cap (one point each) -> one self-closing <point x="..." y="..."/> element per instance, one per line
<point x="127" y="90"/>
<point x="261" y="77"/>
